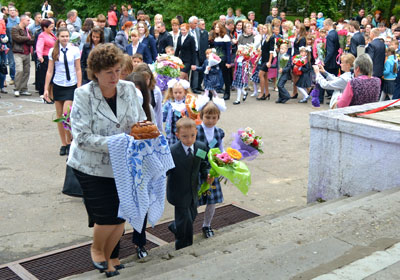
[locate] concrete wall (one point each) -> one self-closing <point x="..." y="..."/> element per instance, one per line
<point x="350" y="156"/>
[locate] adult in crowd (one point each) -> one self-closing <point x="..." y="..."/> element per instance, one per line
<point x="12" y="21"/>
<point x="60" y="23"/>
<point x="96" y="37"/>
<point x="194" y="31"/>
<point x="175" y="31"/>
<point x="332" y="82"/>
<point x="72" y="19"/>
<point x="267" y="49"/>
<point x="158" y="18"/>
<point x="122" y="38"/>
<point x="137" y="47"/>
<point x="229" y="14"/>
<point x="247" y="37"/>
<point x="147" y="39"/>
<point x="239" y="15"/>
<point x="376" y="50"/>
<point x="377" y="18"/>
<point x="357" y="39"/>
<point x="35" y="25"/>
<point x="360" y="15"/>
<point x="283" y="17"/>
<point x="220" y="40"/>
<point x="185" y="50"/>
<point x="89" y="152"/>
<point x="108" y="33"/>
<point x="45" y="42"/>
<point x="332" y="51"/>
<point x="222" y="19"/>
<point x="164" y="38"/>
<point x="363" y="88"/>
<point x="299" y="41"/>
<point x="273" y="15"/>
<point x="3" y="34"/>
<point x="320" y="20"/>
<point x="45" y="9"/>
<point x="64" y="64"/>
<point x="87" y="26"/>
<point x="22" y="41"/>
<point x="203" y="46"/>
<point x="125" y="17"/>
<point x="252" y="16"/>
<point x="113" y="19"/>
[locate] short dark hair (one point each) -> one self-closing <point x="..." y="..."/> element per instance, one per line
<point x="138" y="55"/>
<point x="45" y="23"/>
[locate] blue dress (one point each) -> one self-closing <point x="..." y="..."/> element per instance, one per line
<point x="214" y="194"/>
<point x="211" y="80"/>
<point x="170" y="117"/>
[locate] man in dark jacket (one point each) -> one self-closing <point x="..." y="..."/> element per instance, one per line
<point x="164" y="38"/>
<point x="357" y="39"/>
<point x="22" y="41"/>
<point x="376" y="50"/>
<point x="332" y="51"/>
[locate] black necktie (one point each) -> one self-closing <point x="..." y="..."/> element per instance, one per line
<point x="66" y="63"/>
<point x="190" y="153"/>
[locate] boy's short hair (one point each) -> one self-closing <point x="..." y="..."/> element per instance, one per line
<point x="185" y="123"/>
<point x="210" y="109"/>
<point x="138" y="55"/>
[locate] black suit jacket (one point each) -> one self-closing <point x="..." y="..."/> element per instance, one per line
<point x="332" y="50"/>
<point x="357" y="40"/>
<point x="203" y="45"/>
<point x="376" y="50"/>
<point x="266" y="48"/>
<point x="187" y="50"/>
<point x="164" y="40"/>
<point x="84" y="57"/>
<point x="183" y="180"/>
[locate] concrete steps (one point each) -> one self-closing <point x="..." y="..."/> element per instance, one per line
<point x="300" y="242"/>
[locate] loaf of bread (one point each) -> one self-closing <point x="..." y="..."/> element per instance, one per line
<point x="144" y="130"/>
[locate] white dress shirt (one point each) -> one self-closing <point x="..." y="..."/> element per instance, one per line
<point x="60" y="76"/>
<point x="186" y="148"/>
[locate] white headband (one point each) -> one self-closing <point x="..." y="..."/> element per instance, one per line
<point x="203" y="100"/>
<point x="185" y="84"/>
<point x="308" y="48"/>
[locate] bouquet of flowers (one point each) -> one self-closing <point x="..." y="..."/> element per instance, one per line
<point x="167" y="67"/>
<point x="298" y="61"/>
<point x="227" y="164"/>
<point x="65" y="119"/>
<point x="343" y="38"/>
<point x="248" y="143"/>
<point x="249" y="56"/>
<point x="213" y="60"/>
<point x="321" y="52"/>
<point x="246" y="51"/>
<point x="190" y="104"/>
<point x="283" y="61"/>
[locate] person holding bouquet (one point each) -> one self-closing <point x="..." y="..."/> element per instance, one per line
<point x="183" y="181"/>
<point x="210" y="135"/>
<point x="303" y="65"/>
<point x="211" y="73"/>
<point x="174" y="107"/>
<point x="285" y="66"/>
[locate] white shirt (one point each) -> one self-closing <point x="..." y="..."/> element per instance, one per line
<point x="175" y="38"/>
<point x="209" y="132"/>
<point x="60" y="76"/>
<point x="193" y="33"/>
<point x="186" y="148"/>
<point x="134" y="48"/>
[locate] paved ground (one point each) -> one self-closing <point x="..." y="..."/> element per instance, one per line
<point x="35" y="217"/>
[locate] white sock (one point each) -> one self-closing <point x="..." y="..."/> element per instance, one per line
<point x="214" y="92"/>
<point x="239" y="93"/>
<point x="255" y="88"/>
<point x="206" y="91"/>
<point x="208" y="215"/>
<point x="303" y="91"/>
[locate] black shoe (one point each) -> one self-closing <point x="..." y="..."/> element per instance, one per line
<point x="283" y="101"/>
<point x="226" y="97"/>
<point x="68" y="147"/>
<point x="141" y="252"/>
<point x="207" y="232"/>
<point x="244" y="97"/>
<point x="112" y="273"/>
<point x="220" y="91"/>
<point x="294" y="96"/>
<point x="63" y="150"/>
<point x="263" y="97"/>
<point x="172" y="228"/>
<point x="3" y="91"/>
<point x="236" y="102"/>
<point x="268" y="96"/>
<point x="119" y="267"/>
<point x="304" y="100"/>
<point x="102" y="266"/>
<point x="195" y="91"/>
<point x="278" y="101"/>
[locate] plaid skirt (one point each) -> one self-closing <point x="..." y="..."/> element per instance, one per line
<point x="213" y="195"/>
<point x="240" y="80"/>
<point x="388" y="86"/>
<point x="255" y="78"/>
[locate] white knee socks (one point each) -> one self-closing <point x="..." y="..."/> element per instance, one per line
<point x="303" y="91"/>
<point x="208" y="215"/>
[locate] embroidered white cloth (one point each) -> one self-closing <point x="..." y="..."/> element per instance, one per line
<point x="139" y="168"/>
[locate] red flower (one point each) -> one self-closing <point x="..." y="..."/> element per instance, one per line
<point x="255" y="143"/>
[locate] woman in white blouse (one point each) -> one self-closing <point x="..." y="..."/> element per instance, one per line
<point x="331" y="82"/>
<point x="65" y="63"/>
<point x="175" y="31"/>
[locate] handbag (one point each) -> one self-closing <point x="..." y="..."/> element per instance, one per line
<point x="3" y="68"/>
<point x="72" y="187"/>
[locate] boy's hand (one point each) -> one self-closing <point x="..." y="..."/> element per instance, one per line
<point x="210" y="179"/>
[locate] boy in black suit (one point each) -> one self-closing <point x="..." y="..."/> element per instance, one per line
<point x="182" y="186"/>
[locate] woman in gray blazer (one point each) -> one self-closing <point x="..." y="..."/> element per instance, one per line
<point x="102" y="108"/>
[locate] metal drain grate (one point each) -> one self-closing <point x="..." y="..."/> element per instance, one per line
<point x="8" y="274"/>
<point x="74" y="261"/>
<point x="224" y="216"/>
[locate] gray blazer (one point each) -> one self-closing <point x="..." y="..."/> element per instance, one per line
<point x="92" y="122"/>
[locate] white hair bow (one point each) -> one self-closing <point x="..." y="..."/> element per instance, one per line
<point x="202" y="100"/>
<point x="308" y="48"/>
<point x="185" y="84"/>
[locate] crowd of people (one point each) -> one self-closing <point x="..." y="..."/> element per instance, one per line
<point x="102" y="67"/>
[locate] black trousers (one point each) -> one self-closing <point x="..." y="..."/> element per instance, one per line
<point x="184" y="218"/>
<point x="139" y="239"/>
<point x="283" y="92"/>
<point x="226" y="74"/>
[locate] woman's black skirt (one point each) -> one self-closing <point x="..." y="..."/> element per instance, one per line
<point x="63" y="93"/>
<point x="101" y="198"/>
